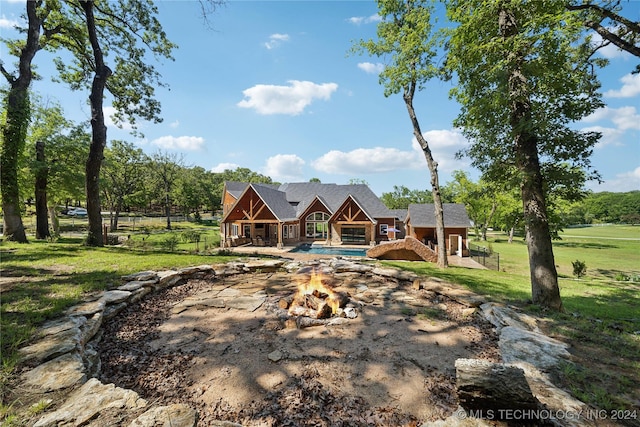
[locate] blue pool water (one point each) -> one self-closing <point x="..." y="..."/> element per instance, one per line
<point x="329" y="250"/>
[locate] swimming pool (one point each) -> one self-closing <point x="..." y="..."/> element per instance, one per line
<point x="329" y="250"/>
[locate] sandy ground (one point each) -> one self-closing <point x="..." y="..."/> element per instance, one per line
<point x="392" y="365"/>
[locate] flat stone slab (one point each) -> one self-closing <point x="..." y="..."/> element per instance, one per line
<point x="176" y="415"/>
<point x="520" y="345"/>
<point x="62" y="372"/>
<point x="87" y="402"/>
<point x="245" y="303"/>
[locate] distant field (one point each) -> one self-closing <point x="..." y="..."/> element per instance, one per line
<point x="607" y="251"/>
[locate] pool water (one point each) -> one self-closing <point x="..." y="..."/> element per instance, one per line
<point x="329" y="250"/>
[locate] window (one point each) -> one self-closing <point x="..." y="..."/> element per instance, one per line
<point x="247" y="230"/>
<point x="234" y="229"/>
<point x="383" y="229"/>
<point x="355" y="235"/>
<point x="318" y="225"/>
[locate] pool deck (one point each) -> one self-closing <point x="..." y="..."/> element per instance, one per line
<point x="302" y="256"/>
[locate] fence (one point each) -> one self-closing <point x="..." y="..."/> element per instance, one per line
<point x="485" y="256"/>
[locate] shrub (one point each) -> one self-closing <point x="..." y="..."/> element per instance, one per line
<point x="171" y="242"/>
<point x="191" y="236"/>
<point x="579" y="268"/>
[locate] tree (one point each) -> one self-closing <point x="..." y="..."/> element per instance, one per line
<point x="123" y="175"/>
<point x="524" y="75"/>
<point x="405" y="36"/>
<point x="604" y="18"/>
<point x="402" y="197"/>
<point x="15" y="122"/>
<point x="167" y="168"/>
<point x="126" y="29"/>
<point x="478" y="198"/>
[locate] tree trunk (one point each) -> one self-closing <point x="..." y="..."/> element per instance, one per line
<point x="98" y="135"/>
<point x="53" y="217"/>
<point x="14" y="130"/>
<point x="42" y="172"/>
<point x="494" y="206"/>
<point x="167" y="206"/>
<point x="511" y="232"/>
<point x="544" y="277"/>
<point x="433" y="169"/>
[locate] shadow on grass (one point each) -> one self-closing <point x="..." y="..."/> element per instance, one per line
<point x="584" y="245"/>
<point x="30" y="301"/>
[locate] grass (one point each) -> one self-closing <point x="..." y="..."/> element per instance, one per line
<point x="601" y="318"/>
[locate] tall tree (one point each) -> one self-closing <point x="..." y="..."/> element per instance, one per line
<point x="406" y="38"/>
<point x="15" y="123"/>
<point x="479" y="199"/>
<point x="524" y="75"/>
<point x="123" y="30"/>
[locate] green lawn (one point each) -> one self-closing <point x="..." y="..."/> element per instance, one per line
<point x="41" y="279"/>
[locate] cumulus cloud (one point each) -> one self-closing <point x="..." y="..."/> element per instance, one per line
<point x="366" y="160"/>
<point x="359" y="20"/>
<point x="291" y="100"/>
<point x="189" y="143"/>
<point x="609" y="51"/>
<point x="610" y="136"/>
<point x="275" y="40"/>
<point x="221" y="167"/>
<point x="444" y="144"/>
<point x="174" y="124"/>
<point x="630" y="87"/>
<point x="371" y="68"/>
<point x="626" y="181"/>
<point x="109" y="112"/>
<point x="284" y="167"/>
<point x="7" y="23"/>
<point x="625" y="118"/>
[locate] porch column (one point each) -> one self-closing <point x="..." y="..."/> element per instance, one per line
<point x="279" y="245"/>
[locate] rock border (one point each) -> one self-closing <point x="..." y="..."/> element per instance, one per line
<point x="63" y="360"/>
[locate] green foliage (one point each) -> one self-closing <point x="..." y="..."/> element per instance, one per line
<point x="402" y="197"/>
<point x="170" y="243"/>
<point x="579" y="268"/>
<point x="191" y="236"/>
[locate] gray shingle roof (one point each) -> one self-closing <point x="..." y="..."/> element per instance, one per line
<point x="290" y="200"/>
<point x="423" y="215"/>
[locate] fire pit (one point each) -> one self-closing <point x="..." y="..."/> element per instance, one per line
<point x="315" y="303"/>
<point x="242" y="347"/>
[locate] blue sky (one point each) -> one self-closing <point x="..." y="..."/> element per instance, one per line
<point x="272" y="88"/>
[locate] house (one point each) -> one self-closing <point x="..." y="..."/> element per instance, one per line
<point x="419" y="242"/>
<point x="287" y="214"/>
<point x="420" y="224"/>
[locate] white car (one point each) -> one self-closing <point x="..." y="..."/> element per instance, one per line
<point x="77" y="212"/>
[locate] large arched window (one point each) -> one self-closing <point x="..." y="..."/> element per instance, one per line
<point x="318" y="225"/>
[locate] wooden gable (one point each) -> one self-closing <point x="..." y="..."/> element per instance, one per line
<point x="315" y="206"/>
<point x="350" y="212"/>
<point x="251" y="207"/>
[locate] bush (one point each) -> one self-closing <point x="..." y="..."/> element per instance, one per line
<point x="191" y="236"/>
<point x="579" y="268"/>
<point x="171" y="242"/>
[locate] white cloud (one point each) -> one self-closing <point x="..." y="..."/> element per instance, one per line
<point x="630" y="87"/>
<point x="221" y="167"/>
<point x="625" y="118"/>
<point x="275" y="40"/>
<point x="367" y="160"/>
<point x="108" y="112"/>
<point x="610" y="51"/>
<point x="175" y="124"/>
<point x="358" y="20"/>
<point x="189" y="143"/>
<point x="284" y="167"/>
<point x="7" y="23"/>
<point x="610" y="136"/>
<point x="371" y="68"/>
<point x="444" y="144"/>
<point x="626" y="181"/>
<point x="292" y="99"/>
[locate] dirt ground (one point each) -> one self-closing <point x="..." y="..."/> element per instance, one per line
<point x="392" y="365"/>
